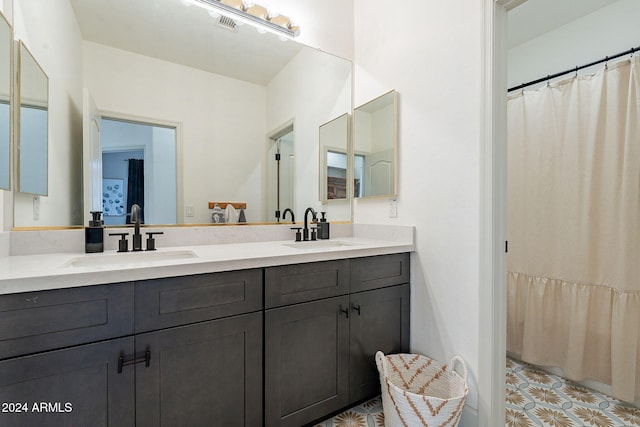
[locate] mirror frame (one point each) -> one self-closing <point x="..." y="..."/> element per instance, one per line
<point x="354" y="151"/>
<point x="10" y="147"/>
<point x="21" y="49"/>
<point x="323" y="150"/>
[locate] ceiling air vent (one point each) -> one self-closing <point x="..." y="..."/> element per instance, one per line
<point x="228" y="23"/>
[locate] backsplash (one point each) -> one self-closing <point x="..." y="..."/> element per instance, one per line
<point x="5" y="243"/>
<point x="57" y="241"/>
<point x="17" y="243"/>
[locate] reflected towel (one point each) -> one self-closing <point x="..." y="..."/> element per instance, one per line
<point x="231" y="214"/>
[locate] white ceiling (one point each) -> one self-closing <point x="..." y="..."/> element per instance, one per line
<point x="173" y="31"/>
<point x="536" y="17"/>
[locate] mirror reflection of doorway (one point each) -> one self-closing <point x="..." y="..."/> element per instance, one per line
<point x="281" y="171"/>
<point x="139" y="159"/>
<point x="336" y="175"/>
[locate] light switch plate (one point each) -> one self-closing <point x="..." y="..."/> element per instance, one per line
<point x="36" y="208"/>
<point x="189" y="211"/>
<point x="393" y="208"/>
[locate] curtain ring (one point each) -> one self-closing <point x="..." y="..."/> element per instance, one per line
<point x="606" y="62"/>
<point x="576" y="76"/>
<point x="548" y="80"/>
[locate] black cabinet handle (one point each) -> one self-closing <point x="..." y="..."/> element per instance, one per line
<point x="345" y="311"/>
<point x="356" y="308"/>
<point x="132" y="360"/>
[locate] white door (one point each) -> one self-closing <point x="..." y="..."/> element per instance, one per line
<point x="91" y="156"/>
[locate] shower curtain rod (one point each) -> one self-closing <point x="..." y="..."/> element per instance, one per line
<point x="574" y="70"/>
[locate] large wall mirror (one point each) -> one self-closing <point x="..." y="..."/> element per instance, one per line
<point x="225" y="92"/>
<point x="33" y="130"/>
<point x="375" y="145"/>
<point x="6" y="61"/>
<point x="334" y="160"/>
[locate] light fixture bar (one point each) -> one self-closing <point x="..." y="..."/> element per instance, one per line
<point x="234" y="13"/>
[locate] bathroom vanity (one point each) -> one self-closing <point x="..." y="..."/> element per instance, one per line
<point x="283" y="342"/>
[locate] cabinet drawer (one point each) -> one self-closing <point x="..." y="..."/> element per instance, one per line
<point x="36" y="321"/>
<point x="379" y="271"/>
<point x="174" y="301"/>
<point x="292" y="284"/>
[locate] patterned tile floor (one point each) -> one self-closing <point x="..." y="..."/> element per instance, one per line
<point x="367" y="414"/>
<point x="536" y="398"/>
<point x="533" y="398"/>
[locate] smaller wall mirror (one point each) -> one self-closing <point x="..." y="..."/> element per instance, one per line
<point x="374" y="147"/>
<point x="33" y="130"/>
<point x="6" y="53"/>
<point x="334" y="147"/>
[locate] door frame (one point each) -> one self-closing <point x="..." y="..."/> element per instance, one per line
<point x="493" y="201"/>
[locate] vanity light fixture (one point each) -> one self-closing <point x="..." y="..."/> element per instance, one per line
<point x="250" y="13"/>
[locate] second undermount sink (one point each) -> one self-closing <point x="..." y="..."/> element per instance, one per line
<point x="129" y="258"/>
<point x="319" y="244"/>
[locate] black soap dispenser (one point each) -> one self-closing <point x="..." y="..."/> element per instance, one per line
<point x="323" y="227"/>
<point x="94" y="234"/>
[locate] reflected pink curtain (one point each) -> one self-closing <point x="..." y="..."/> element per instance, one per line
<point x="573" y="280"/>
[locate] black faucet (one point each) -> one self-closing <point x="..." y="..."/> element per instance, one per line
<point x="305" y="231"/>
<point x="136" y="213"/>
<point x="293" y="218"/>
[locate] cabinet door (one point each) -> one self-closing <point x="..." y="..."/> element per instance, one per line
<point x="205" y="374"/>
<point x="379" y="321"/>
<point x="79" y="386"/>
<point x="306" y="361"/>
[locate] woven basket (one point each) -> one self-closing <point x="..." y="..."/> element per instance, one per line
<point x="420" y="391"/>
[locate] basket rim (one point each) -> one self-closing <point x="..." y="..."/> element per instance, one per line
<point x="410" y="393"/>
<point x="434" y="362"/>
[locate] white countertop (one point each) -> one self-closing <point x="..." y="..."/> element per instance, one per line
<point x="71" y="269"/>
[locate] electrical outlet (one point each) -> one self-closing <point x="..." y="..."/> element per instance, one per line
<point x="393" y="208"/>
<point x="189" y="211"/>
<point x="36" y="208"/>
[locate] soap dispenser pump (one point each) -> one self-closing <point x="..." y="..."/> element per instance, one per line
<point x="94" y="234"/>
<point x="323" y="227"/>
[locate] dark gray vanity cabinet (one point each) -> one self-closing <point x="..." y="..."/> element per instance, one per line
<point x="77" y="386"/>
<point x="306" y="361"/>
<point x="172" y="351"/>
<point x="279" y="346"/>
<point x="379" y="321"/>
<point x="60" y="352"/>
<point x="205" y="374"/>
<point x="319" y="352"/>
<point x="204" y="333"/>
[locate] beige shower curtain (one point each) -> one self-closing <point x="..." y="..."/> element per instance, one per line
<point x="573" y="281"/>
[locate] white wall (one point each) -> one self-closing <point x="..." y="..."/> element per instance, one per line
<point x="606" y="31"/>
<point x="222" y="122"/>
<point x="430" y="51"/>
<point x="50" y="31"/>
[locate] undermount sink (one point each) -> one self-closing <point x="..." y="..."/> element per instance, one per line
<point x="128" y="258"/>
<point x="319" y="244"/>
